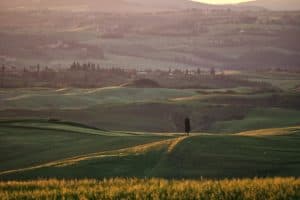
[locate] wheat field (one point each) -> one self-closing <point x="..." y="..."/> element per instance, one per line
<point x="156" y="189"/>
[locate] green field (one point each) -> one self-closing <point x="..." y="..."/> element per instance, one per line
<point x="43" y="149"/>
<point x="31" y="142"/>
<point x="260" y="118"/>
<point x="72" y="99"/>
<point x="155" y="109"/>
<point x="240" y="133"/>
<point x="66" y="140"/>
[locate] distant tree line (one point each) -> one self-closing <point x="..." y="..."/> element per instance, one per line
<point x="95" y="75"/>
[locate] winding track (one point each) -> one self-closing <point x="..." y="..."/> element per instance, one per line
<point x="139" y="149"/>
<point x="168" y="144"/>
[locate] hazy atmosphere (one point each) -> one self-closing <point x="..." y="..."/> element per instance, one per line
<point x="150" y="99"/>
<point x="221" y="1"/>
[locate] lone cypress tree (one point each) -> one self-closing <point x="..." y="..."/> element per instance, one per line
<point x="187" y="126"/>
<point x="2" y="75"/>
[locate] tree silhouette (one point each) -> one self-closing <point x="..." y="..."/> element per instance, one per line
<point x="187" y="125"/>
<point x="2" y="75"/>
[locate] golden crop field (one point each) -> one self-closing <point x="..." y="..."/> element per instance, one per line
<point x="159" y="189"/>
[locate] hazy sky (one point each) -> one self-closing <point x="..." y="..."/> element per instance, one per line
<point x="221" y="1"/>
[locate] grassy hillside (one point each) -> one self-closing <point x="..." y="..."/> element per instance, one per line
<point x="234" y="156"/>
<point x="156" y="189"/>
<point x="156" y="109"/>
<point x="59" y="154"/>
<point x="260" y="118"/>
<point x="69" y="98"/>
<point x="32" y="142"/>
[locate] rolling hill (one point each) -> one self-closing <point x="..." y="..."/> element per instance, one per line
<point x="63" y="150"/>
<point x="35" y="142"/>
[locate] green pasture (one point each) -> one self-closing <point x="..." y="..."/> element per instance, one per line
<point x="260" y="118"/>
<point x="154" y="109"/>
<point x="32" y="142"/>
<point x="47" y="153"/>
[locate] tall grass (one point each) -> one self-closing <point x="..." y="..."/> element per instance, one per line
<point x="158" y="189"/>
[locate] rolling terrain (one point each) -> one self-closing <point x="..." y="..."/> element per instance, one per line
<point x="40" y="141"/>
<point x="138" y="109"/>
<point x="287" y="5"/>
<point x="95" y="97"/>
<point x="185" y="39"/>
<point x="59" y="136"/>
<point x="119" y="6"/>
<point x="64" y="150"/>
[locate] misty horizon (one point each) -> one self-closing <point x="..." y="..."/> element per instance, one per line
<point x="147" y="5"/>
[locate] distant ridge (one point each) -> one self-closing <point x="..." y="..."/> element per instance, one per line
<point x="141" y="5"/>
<point x="105" y="5"/>
<point x="284" y="5"/>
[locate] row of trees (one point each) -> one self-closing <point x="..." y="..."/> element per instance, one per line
<point x="76" y="66"/>
<point x="93" y="75"/>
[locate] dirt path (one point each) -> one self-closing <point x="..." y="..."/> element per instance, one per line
<point x="139" y="149"/>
